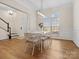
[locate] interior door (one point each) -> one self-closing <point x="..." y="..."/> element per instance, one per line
<point x="23" y="25"/>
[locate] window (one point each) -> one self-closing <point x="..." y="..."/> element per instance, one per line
<point x="51" y="24"/>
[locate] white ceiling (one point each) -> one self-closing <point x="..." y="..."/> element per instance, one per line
<point x="46" y="3"/>
<point x="50" y="3"/>
<point x="5" y="8"/>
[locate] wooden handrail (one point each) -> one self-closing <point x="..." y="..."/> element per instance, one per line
<point x="3" y="20"/>
<point x="8" y="27"/>
<point x="5" y="23"/>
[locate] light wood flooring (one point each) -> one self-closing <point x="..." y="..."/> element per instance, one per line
<point x="60" y="49"/>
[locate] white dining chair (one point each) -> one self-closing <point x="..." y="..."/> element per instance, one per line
<point x="33" y="39"/>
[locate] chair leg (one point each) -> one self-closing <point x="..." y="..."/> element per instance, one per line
<point x="50" y="43"/>
<point x="33" y="49"/>
<point x="25" y="47"/>
<point x="41" y="46"/>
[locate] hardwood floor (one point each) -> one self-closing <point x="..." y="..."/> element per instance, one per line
<point x="60" y="49"/>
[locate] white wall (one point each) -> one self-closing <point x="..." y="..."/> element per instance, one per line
<point x="66" y="21"/>
<point x="21" y="20"/>
<point x="76" y="22"/>
<point x="29" y="9"/>
<point x="18" y="18"/>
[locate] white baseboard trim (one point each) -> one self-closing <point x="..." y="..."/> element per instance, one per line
<point x="3" y="37"/>
<point x="76" y="43"/>
<point x="62" y="38"/>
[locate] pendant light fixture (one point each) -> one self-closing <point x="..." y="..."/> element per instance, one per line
<point x="41" y="8"/>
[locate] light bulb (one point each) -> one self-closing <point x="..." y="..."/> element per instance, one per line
<point x="10" y="12"/>
<point x="41" y="14"/>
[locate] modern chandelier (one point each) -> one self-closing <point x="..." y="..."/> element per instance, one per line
<point x="39" y="11"/>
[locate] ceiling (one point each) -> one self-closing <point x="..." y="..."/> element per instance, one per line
<point x="50" y="3"/>
<point x="46" y="3"/>
<point x="5" y="8"/>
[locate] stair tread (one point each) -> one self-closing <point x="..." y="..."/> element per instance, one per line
<point x="13" y="33"/>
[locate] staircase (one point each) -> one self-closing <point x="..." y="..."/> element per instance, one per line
<point x="14" y="35"/>
<point x="6" y="33"/>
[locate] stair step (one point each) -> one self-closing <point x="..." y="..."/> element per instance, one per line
<point x="13" y="33"/>
<point x="15" y="36"/>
